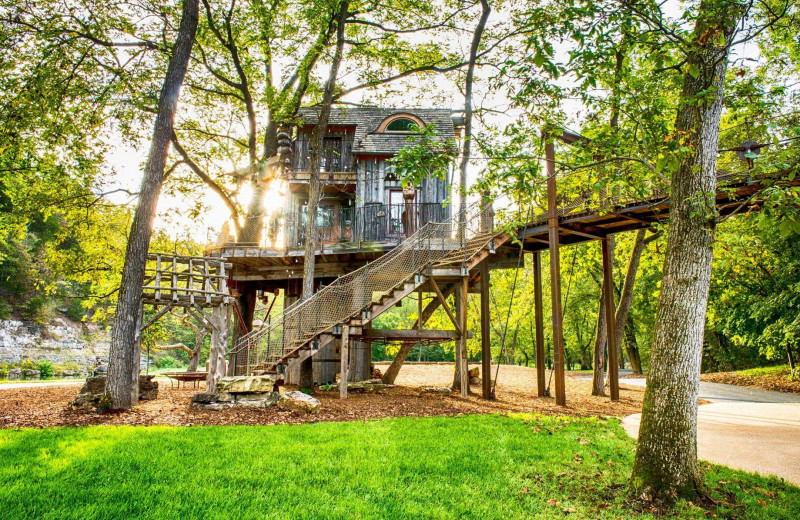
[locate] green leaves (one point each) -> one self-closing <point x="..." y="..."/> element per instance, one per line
<point x="426" y="156"/>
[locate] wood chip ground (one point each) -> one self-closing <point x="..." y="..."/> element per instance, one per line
<point x="516" y="392"/>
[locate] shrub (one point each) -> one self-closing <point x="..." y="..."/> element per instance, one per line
<point x="45" y="369"/>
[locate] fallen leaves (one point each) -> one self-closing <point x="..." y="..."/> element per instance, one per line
<point x="516" y="392"/>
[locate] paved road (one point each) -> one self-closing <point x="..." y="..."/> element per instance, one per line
<point x="744" y="428"/>
<point x="720" y="393"/>
<point x="8" y="386"/>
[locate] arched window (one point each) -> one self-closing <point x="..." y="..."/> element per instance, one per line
<point x="400" y="123"/>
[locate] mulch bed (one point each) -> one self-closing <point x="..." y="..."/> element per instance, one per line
<point x="777" y="383"/>
<point x="516" y="392"/>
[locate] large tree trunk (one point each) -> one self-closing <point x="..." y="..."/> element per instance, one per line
<point x="400" y="358"/>
<point x="123" y="366"/>
<point x="665" y="466"/>
<point x="598" y="375"/>
<point x="317" y="143"/>
<point x="632" y="347"/>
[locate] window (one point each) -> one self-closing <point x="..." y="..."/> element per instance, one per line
<point x="400" y="125"/>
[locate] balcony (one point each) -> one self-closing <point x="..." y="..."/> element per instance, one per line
<point x="370" y="223"/>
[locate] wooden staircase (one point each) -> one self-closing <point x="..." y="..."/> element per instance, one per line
<point x="467" y="258"/>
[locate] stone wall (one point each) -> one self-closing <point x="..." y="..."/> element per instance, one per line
<point x="62" y="342"/>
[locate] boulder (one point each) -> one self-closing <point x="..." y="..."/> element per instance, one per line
<point x="84" y="401"/>
<point x="363" y="386"/>
<point x="246" y="384"/>
<point x="437" y="389"/>
<point x="94" y="388"/>
<point x="299" y="402"/>
<point x="474" y="372"/>
<point x="31" y="374"/>
<point x="204" y="398"/>
<point x="15" y="373"/>
<point x="100" y="370"/>
<point x="148" y="389"/>
<point x="474" y="380"/>
<point x="224" y="400"/>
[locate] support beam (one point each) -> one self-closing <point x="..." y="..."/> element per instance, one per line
<point x="539" y="320"/>
<point x="344" y="362"/>
<point x="486" y="341"/>
<point x="462" y="344"/>
<point x="410" y="334"/>
<point x="555" y="272"/>
<point x="443" y="301"/>
<point x="611" y="342"/>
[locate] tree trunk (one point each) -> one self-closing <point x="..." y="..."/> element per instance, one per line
<point x="631" y="345"/>
<point x="598" y="375"/>
<point x="400" y="358"/>
<point x="317" y="144"/>
<point x="123" y="366"/>
<point x="317" y="152"/>
<point x="194" y="356"/>
<point x="791" y="361"/>
<point x="665" y="466"/>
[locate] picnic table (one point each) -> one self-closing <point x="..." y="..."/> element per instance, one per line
<point x="186" y="377"/>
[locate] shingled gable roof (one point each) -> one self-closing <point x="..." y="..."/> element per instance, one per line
<point x="367" y="120"/>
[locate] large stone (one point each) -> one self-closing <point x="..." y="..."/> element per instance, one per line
<point x="15" y="373"/>
<point x="84" y="401"/>
<point x="437" y="389"/>
<point x="474" y="372"/>
<point x="223" y="400"/>
<point x="31" y="374"/>
<point x="96" y="386"/>
<point x="299" y="402"/>
<point x="474" y="380"/>
<point x="246" y="384"/>
<point x="148" y="389"/>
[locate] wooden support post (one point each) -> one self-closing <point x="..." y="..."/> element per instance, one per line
<point x="344" y="362"/>
<point x="539" y="320"/>
<point x="219" y="343"/>
<point x="555" y="272"/>
<point x="462" y="344"/>
<point x="486" y="341"/>
<point x="611" y="343"/>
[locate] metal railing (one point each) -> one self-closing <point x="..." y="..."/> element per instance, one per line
<point x="455" y="241"/>
<point x="368" y="223"/>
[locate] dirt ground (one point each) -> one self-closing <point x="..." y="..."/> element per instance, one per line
<point x="516" y="392"/>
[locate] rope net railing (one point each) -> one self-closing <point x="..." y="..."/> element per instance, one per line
<point x="619" y="195"/>
<point x="454" y="241"/>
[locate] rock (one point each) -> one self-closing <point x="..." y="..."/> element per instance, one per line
<point x="84" y="401"/>
<point x="437" y="389"/>
<point x="31" y="374"/>
<point x="363" y="386"/>
<point x="224" y="400"/>
<point x="148" y="389"/>
<point x="474" y="380"/>
<point x="15" y="373"/>
<point x="204" y="398"/>
<point x="245" y="384"/>
<point x="96" y="387"/>
<point x="474" y="372"/>
<point x="299" y="402"/>
<point x="100" y="370"/>
<point x="211" y="406"/>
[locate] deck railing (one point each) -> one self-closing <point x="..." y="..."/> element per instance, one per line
<point x="367" y="223"/>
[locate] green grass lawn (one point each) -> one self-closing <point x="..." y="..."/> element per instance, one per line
<point x="465" y="467"/>
<point x="776" y="370"/>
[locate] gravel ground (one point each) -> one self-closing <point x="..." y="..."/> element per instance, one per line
<point x="516" y="392"/>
